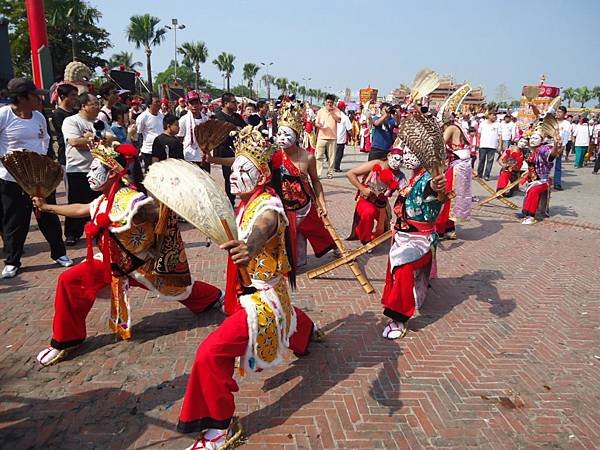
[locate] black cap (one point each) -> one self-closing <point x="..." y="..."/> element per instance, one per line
<point x="23" y="86"/>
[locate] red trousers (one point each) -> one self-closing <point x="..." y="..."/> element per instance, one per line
<point x="532" y="199"/>
<point x="367" y="214"/>
<point x="444" y="224"/>
<point x="398" y="296"/>
<point x="208" y="401"/>
<point x="505" y="178"/>
<point x="73" y="301"/>
<point x="314" y="230"/>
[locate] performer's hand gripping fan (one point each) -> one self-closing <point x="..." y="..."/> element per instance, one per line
<point x="194" y="195"/>
<point x="36" y="174"/>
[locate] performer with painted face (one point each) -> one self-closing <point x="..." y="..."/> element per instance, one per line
<point x="411" y="258"/>
<point x="140" y="246"/>
<point x="380" y="179"/>
<point x="458" y="174"/>
<point x="296" y="181"/>
<point x="539" y="163"/>
<point x="511" y="161"/>
<point x="262" y="324"/>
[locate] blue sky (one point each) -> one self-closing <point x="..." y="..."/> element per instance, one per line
<point x="353" y="43"/>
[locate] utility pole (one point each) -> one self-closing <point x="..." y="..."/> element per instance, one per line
<point x="266" y="66"/>
<point x="304" y="95"/>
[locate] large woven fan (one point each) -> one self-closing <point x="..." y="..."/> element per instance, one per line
<point x="195" y="196"/>
<point x="554" y="104"/>
<point x="425" y="139"/>
<point x="426" y="81"/>
<point x="37" y="174"/>
<point x="212" y="133"/>
<point x="549" y="126"/>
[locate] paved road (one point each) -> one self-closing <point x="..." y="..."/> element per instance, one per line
<point x="505" y="353"/>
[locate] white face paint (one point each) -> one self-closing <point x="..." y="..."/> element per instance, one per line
<point x="394" y="161"/>
<point x="285" y="138"/>
<point x="97" y="175"/>
<point x="535" y="140"/>
<point x="410" y="160"/>
<point x="244" y="176"/>
<point x="522" y="143"/>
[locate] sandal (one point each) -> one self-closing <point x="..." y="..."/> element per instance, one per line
<point x="395" y="330"/>
<point x="51" y="355"/>
<point x="231" y="438"/>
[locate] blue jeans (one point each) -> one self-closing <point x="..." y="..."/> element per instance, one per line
<point x="558" y="172"/>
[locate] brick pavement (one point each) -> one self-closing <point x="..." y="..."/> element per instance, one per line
<point x="505" y="354"/>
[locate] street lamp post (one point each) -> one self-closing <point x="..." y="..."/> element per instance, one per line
<point x="175" y="26"/>
<point x="304" y="95"/>
<point x="266" y="66"/>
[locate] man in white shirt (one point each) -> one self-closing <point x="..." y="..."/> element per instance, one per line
<point x="22" y="127"/>
<point x="149" y="124"/>
<point x="343" y="128"/>
<point x="488" y="138"/>
<point x="78" y="131"/>
<point x="187" y="124"/>
<point x="507" y="132"/>
<point x="582" y="134"/>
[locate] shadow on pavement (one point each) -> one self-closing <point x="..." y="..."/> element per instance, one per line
<point x="329" y="364"/>
<point x="101" y="418"/>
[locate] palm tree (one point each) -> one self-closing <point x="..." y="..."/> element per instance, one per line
<point x="194" y="53"/>
<point x="282" y="84"/>
<point x="70" y="13"/>
<point x="142" y="32"/>
<point x="569" y="95"/>
<point x="583" y="95"/>
<point x="293" y="86"/>
<point x="596" y="93"/>
<point x="268" y="80"/>
<point x="250" y="70"/>
<point x="302" y="91"/>
<point x="224" y="63"/>
<point x="312" y="94"/>
<point x="125" y="59"/>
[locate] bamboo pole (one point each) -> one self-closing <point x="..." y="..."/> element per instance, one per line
<point x="354" y="267"/>
<point x="502" y="191"/>
<point x="244" y="275"/>
<point x="350" y="256"/>
<point x="491" y="190"/>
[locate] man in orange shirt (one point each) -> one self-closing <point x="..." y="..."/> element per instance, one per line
<point x="327" y="119"/>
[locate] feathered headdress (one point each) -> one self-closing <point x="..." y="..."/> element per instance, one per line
<point x="291" y="115"/>
<point x="425" y="139"/>
<point x="453" y="103"/>
<point x="426" y="81"/>
<point x="251" y="143"/>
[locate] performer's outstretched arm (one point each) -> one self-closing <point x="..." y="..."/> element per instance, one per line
<point x="75" y="210"/>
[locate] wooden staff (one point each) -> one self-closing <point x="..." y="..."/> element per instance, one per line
<point x="491" y="190"/>
<point x="354" y="267"/>
<point x="502" y="191"/>
<point x="246" y="281"/>
<point x="350" y="256"/>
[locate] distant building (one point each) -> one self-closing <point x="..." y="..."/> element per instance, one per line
<point x="475" y="101"/>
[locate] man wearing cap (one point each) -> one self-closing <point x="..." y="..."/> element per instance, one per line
<point x="344" y="127"/>
<point x="187" y="124"/>
<point x="164" y="106"/>
<point x="180" y="110"/>
<point x="22" y="127"/>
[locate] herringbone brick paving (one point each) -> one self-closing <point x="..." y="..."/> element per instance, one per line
<point x="505" y="354"/>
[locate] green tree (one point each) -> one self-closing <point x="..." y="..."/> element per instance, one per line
<point x="80" y="34"/>
<point x="241" y="91"/>
<point x="185" y="75"/>
<point x="123" y="58"/>
<point x="194" y="53"/>
<point x="293" y="87"/>
<point x="569" y="95"/>
<point x="302" y="91"/>
<point x="282" y="84"/>
<point x="268" y="80"/>
<point x="250" y="71"/>
<point x="583" y="95"/>
<point x="224" y="63"/>
<point x="143" y="32"/>
<point x="596" y="94"/>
